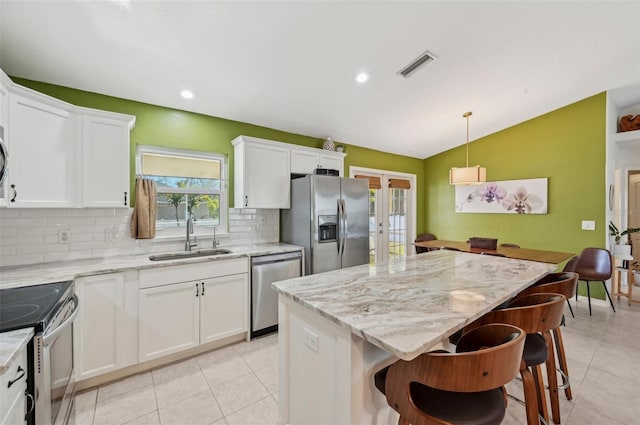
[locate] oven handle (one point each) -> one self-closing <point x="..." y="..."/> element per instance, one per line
<point x="49" y="338"/>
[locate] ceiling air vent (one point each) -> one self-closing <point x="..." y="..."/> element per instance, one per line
<point x="423" y="59"/>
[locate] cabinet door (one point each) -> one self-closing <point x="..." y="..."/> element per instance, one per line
<point x="4" y="120"/>
<point x="266" y="174"/>
<point x="105" y="162"/>
<point x="224" y="307"/>
<point x="332" y="162"/>
<point x="13" y="398"/>
<point x="304" y="162"/>
<point x="168" y="319"/>
<point x="42" y="147"/>
<point x="98" y="329"/>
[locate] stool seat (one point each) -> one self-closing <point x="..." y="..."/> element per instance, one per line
<point x="462" y="388"/>
<point x="535" y="350"/>
<point x="481" y="408"/>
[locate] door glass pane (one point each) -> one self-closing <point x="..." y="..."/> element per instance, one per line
<point x="373" y="233"/>
<point x="397" y="222"/>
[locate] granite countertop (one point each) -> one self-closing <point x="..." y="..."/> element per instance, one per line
<point x="408" y="305"/>
<point x="10" y="344"/>
<point x="34" y="274"/>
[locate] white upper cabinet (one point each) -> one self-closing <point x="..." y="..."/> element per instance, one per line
<point x="306" y="160"/>
<point x="262" y="173"/>
<point x="61" y="155"/>
<point x="41" y="141"/>
<point x="263" y="169"/>
<point x="105" y="159"/>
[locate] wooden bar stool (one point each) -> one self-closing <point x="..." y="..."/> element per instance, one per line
<point x="564" y="283"/>
<point x="536" y="314"/>
<point x="466" y="387"/>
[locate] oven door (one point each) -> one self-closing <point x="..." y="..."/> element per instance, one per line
<point x="54" y="379"/>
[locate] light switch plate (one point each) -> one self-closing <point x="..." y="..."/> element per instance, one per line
<point x="588" y="225"/>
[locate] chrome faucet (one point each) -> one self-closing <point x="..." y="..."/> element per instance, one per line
<point x="187" y="243"/>
<point x="215" y="241"/>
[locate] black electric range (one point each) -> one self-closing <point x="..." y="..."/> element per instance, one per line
<point x="32" y="306"/>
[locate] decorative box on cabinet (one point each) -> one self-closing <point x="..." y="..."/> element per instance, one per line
<point x="262" y="173"/>
<point x="181" y="307"/>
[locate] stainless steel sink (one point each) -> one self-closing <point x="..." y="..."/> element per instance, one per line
<point x="189" y="254"/>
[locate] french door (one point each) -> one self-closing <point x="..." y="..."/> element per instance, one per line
<point x="391" y="213"/>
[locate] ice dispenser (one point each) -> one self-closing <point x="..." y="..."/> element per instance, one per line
<point x="327" y="228"/>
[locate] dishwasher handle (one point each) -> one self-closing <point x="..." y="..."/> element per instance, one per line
<point x="274" y="258"/>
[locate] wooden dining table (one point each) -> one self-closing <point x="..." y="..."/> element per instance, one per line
<point x="552" y="257"/>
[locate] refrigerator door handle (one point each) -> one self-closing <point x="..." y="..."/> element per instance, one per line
<point x="339" y="236"/>
<point x="345" y="225"/>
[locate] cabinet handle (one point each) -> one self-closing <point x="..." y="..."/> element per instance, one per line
<point x="197" y="291"/>
<point x="125" y="198"/>
<point x="15" y="193"/>
<point x="11" y="382"/>
<point x="246" y="200"/>
<point x="202" y="288"/>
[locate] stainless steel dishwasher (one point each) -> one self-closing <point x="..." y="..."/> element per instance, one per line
<point x="265" y="270"/>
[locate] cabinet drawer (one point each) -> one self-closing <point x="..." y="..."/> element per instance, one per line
<point x="9" y="395"/>
<point x="184" y="273"/>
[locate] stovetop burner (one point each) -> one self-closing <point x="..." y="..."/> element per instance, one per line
<point x="31" y="306"/>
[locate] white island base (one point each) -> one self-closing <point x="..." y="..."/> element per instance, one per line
<point x="326" y="372"/>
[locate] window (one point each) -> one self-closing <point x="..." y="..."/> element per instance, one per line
<point x="188" y="182"/>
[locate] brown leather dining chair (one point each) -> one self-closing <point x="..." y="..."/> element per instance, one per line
<point x="432" y="388"/>
<point x="557" y="283"/>
<point x="593" y="264"/>
<point x="423" y="237"/>
<point x="537" y="315"/>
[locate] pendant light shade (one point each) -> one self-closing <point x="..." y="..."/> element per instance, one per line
<point x="467" y="175"/>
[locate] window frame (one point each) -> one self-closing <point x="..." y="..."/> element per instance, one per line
<point x="168" y="230"/>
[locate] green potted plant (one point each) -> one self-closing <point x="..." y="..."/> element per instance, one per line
<point x="621" y="249"/>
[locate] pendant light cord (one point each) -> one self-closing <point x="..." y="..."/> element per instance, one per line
<point x="467" y="115"/>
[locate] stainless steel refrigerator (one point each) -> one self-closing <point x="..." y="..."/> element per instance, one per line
<point x="329" y="217"/>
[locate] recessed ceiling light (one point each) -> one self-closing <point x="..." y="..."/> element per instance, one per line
<point x="187" y="94"/>
<point x="362" y="77"/>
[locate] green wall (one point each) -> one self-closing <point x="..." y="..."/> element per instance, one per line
<point x="159" y="126"/>
<point x="567" y="146"/>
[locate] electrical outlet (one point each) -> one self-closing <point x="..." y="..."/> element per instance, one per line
<point x="310" y="340"/>
<point x="111" y="234"/>
<point x="64" y="236"/>
<point x="588" y="225"/>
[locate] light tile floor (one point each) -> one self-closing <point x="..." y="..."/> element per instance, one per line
<point x="238" y="384"/>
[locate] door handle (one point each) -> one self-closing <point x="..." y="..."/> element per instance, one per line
<point x="197" y="291"/>
<point x="125" y="198"/>
<point x="15" y="193"/>
<point x="202" y="283"/>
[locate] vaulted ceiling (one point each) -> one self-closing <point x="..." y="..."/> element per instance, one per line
<point x="291" y="65"/>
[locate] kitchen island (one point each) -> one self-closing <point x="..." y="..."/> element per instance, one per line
<point x="338" y="328"/>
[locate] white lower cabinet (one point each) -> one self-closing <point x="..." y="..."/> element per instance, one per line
<point x="13" y="384"/>
<point x="224" y="307"/>
<point x="174" y="317"/>
<point x="105" y="331"/>
<point x="169" y="319"/>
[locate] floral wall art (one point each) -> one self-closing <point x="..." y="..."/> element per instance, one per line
<point x="527" y="196"/>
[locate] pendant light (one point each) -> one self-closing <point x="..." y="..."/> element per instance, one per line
<point x="467" y="175"/>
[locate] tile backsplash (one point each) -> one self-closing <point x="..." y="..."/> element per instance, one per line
<point x="29" y="236"/>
